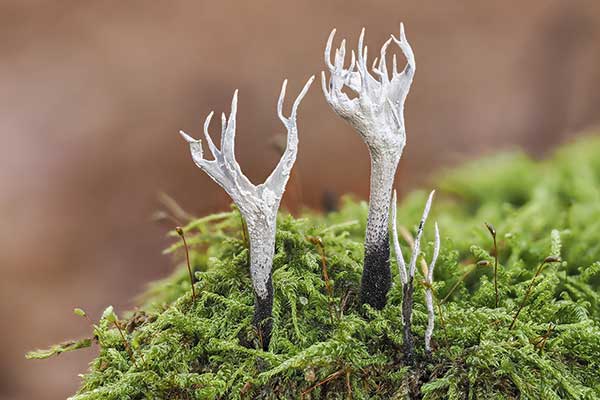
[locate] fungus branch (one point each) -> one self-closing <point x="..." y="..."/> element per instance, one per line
<point x="407" y="277"/>
<point x="377" y="114"/>
<point x="257" y="203"/>
<point x="429" y="291"/>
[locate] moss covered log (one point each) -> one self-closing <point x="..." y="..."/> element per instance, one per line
<point x="326" y="345"/>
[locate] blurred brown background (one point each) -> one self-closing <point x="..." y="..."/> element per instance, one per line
<point x="93" y="94"/>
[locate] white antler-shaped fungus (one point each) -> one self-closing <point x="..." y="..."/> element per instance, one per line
<point x="257" y="203"/>
<point x="377" y="113"/>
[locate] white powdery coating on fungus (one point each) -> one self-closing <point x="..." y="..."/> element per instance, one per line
<point x="257" y="203"/>
<point x="429" y="291"/>
<point x="376" y="113"/>
<point x="407" y="276"/>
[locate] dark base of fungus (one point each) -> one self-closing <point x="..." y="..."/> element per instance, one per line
<point x="407" y="309"/>
<point x="376" y="277"/>
<point x="263" y="320"/>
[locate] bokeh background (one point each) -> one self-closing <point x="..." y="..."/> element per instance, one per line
<point x="92" y="95"/>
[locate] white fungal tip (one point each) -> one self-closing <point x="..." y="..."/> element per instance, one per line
<point x="187" y="137"/>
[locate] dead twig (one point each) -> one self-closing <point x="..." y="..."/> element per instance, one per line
<point x="324" y="381"/>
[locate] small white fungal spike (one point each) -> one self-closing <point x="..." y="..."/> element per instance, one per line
<point x="429" y="292"/>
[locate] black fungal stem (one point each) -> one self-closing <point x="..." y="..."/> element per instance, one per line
<point x="492" y="231"/>
<point x="528" y="292"/>
<point x="376" y="278"/>
<point x="407" y="306"/>
<point x="259" y="335"/>
<point x="262" y="320"/>
<point x="181" y="234"/>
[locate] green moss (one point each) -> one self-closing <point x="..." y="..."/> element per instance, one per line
<point x="330" y="347"/>
<point x="57" y="349"/>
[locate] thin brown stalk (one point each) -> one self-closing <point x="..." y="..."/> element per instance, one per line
<point x="176" y="211"/>
<point x="492" y="231"/>
<point x="528" y="292"/>
<point x="324" y="381"/>
<point x="126" y="342"/>
<point x="187" y="258"/>
<point x="541" y="343"/>
<point x="321" y="249"/>
<point x="482" y="263"/>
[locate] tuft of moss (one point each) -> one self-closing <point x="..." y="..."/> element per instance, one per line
<point x="325" y="345"/>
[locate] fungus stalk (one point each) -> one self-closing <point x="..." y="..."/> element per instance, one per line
<point x="407" y="278"/>
<point x="257" y="203"/>
<point x="377" y="114"/>
<point x="429" y="291"/>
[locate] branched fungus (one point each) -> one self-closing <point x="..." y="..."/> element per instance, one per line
<point x="407" y="278"/>
<point x="257" y="203"/>
<point x="377" y="113"/>
<point x="429" y="291"/>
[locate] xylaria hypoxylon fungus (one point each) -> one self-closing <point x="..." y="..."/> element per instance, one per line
<point x="257" y="203"/>
<point x="377" y="113"/>
<point x="407" y="278"/>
